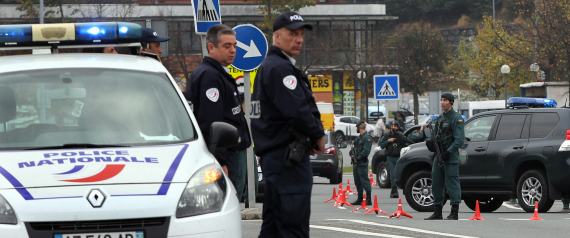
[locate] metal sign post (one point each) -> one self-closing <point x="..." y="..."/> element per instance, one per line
<point x="251" y="49"/>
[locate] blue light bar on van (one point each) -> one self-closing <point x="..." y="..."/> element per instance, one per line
<point x="69" y="33"/>
<point x="531" y="102"/>
<point x="15" y="33"/>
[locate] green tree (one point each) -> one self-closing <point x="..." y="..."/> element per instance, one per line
<point x="422" y="55"/>
<point x="270" y="9"/>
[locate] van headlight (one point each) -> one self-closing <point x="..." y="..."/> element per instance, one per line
<point x="204" y="193"/>
<point x="7" y="213"/>
<point x="404" y="150"/>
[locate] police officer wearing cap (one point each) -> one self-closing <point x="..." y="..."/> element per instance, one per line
<point x="150" y="41"/>
<point x="283" y="103"/>
<point x="393" y="141"/>
<point x="450" y="135"/>
<point x="214" y="96"/>
<point x="362" y="145"/>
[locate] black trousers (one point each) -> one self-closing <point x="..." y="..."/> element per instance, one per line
<point x="287" y="198"/>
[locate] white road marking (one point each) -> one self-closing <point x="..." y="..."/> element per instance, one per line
<point x="511" y="206"/>
<point x="403" y="228"/>
<point x="356" y="231"/>
<point x="383" y="216"/>
<point x="513" y="219"/>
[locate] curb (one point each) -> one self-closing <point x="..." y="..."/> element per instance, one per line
<point x="251" y="214"/>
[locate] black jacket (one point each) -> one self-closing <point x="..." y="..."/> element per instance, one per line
<point x="282" y="99"/>
<point x="215" y="97"/>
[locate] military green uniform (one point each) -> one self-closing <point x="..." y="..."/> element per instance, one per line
<point x="415" y="138"/>
<point x="450" y="135"/>
<point x="362" y="145"/>
<point x="393" y="151"/>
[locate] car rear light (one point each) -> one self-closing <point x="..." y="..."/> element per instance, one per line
<point x="566" y="144"/>
<point x="329" y="151"/>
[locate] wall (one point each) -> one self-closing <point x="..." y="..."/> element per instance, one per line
<point x="324" y="96"/>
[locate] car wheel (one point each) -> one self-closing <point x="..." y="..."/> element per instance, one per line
<point x="383" y="176"/>
<point x="486" y="204"/>
<point x="533" y="187"/>
<point x="336" y="178"/>
<point x="418" y="191"/>
<point x="339" y="135"/>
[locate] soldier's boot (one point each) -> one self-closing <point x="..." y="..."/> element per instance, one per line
<point x="358" y="200"/>
<point x="454" y="213"/>
<point x="368" y="198"/>
<point x="394" y="193"/>
<point x="436" y="213"/>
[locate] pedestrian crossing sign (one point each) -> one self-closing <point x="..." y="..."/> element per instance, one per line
<point x="206" y="15"/>
<point x="387" y="87"/>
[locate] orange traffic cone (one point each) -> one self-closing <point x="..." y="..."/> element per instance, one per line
<point x="333" y="197"/>
<point x="374" y="208"/>
<point x="535" y="217"/>
<point x="363" y="206"/>
<point x="477" y="215"/>
<point x="342" y="200"/>
<point x="372" y="183"/>
<point x="400" y="212"/>
<point x="347" y="189"/>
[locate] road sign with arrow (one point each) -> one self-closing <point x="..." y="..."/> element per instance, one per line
<point x="251" y="47"/>
<point x="386" y="87"/>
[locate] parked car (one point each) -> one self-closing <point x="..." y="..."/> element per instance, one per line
<point x="520" y="152"/>
<point x="327" y="115"/>
<point x="345" y="127"/>
<point x="407" y="108"/>
<point x="376" y="112"/>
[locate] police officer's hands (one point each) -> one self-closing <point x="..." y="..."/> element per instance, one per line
<point x="421" y="129"/>
<point x="446" y="155"/>
<point x="320" y="146"/>
<point x="391" y="139"/>
<point x="225" y="169"/>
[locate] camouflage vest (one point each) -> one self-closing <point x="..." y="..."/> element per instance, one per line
<point x="444" y="134"/>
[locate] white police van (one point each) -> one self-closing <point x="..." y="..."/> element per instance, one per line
<point x="100" y="145"/>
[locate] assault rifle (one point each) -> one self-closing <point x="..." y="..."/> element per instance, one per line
<point x="434" y="144"/>
<point x="352" y="152"/>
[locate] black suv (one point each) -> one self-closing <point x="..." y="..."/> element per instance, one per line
<point x="522" y="152"/>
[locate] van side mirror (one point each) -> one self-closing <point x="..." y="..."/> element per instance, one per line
<point x="222" y="135"/>
<point x="342" y="145"/>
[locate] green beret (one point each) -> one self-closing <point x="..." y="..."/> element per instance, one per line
<point x="448" y="96"/>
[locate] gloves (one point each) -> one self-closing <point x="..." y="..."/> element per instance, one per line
<point x="446" y="155"/>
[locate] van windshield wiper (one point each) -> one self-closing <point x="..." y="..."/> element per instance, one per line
<point x="78" y="145"/>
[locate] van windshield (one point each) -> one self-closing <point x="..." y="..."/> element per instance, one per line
<point x="50" y="108"/>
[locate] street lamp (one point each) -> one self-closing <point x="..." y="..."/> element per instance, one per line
<point x="361" y="75"/>
<point x="534" y="68"/>
<point x="505" y="69"/>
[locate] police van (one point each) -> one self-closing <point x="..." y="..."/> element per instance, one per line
<point x="521" y="151"/>
<point x="469" y="109"/>
<point x="101" y="145"/>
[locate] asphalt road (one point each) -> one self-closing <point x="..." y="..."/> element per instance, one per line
<point x="331" y="222"/>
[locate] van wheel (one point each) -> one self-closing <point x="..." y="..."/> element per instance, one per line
<point x="339" y="135"/>
<point x="533" y="187"/>
<point x="383" y="176"/>
<point x="418" y="191"/>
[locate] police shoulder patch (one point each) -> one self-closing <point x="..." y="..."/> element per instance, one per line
<point x="213" y="94"/>
<point x="460" y="121"/>
<point x="290" y="82"/>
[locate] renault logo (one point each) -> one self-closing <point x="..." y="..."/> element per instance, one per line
<point x="96" y="198"/>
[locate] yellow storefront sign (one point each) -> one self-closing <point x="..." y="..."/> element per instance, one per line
<point x="238" y="75"/>
<point x="321" y="83"/>
<point x="347" y="81"/>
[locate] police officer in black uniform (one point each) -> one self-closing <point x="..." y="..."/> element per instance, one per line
<point x="282" y="103"/>
<point x="215" y="97"/>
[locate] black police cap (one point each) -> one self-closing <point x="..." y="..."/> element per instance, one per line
<point x="448" y="96"/>
<point x="359" y="123"/>
<point x="290" y="20"/>
<point x="149" y="35"/>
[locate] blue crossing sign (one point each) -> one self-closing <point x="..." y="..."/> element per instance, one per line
<point x="206" y="15"/>
<point x="387" y="87"/>
<point x="251" y="47"/>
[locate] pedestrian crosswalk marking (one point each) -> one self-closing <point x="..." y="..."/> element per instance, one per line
<point x="386" y="90"/>
<point x="207" y="12"/>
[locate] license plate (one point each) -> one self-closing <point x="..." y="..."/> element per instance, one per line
<point x="126" y="234"/>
